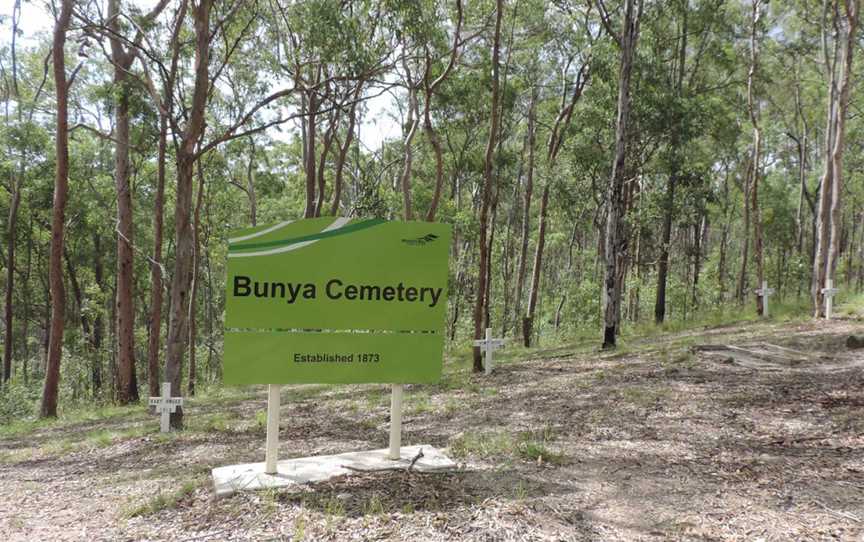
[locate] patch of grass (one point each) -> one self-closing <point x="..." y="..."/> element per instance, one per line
<point x="457" y="379"/>
<point x="453" y="405"/>
<point x="368" y="423"/>
<point x="373" y="507"/>
<point x="215" y="422"/>
<point x="641" y="396"/>
<point x="333" y="507"/>
<point x="261" y="420"/>
<point x="483" y="444"/>
<point x="100" y="438"/>
<point x="299" y="529"/>
<point x="376" y="398"/>
<point x="166" y="500"/>
<point x="419" y="403"/>
<point x="15" y="456"/>
<point x="269" y="501"/>
<point x="60" y="447"/>
<point x="534" y="446"/>
<point x="520" y="492"/>
<point x="538" y="451"/>
<point x="306" y="391"/>
<point x="489" y="391"/>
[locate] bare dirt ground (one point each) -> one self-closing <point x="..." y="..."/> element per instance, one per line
<point x="659" y="441"/>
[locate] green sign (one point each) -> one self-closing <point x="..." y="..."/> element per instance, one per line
<point x="333" y="300"/>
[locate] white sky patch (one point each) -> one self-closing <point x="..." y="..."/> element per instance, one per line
<point x="378" y="125"/>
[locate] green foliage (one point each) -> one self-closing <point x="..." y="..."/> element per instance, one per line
<point x="17" y="400"/>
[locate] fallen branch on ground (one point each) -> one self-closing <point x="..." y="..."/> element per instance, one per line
<point x="394" y="467"/>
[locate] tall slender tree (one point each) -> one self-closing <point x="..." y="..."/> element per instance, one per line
<point x="62" y="82"/>
<point x="486" y="192"/>
<point x="829" y="217"/>
<point x="615" y="242"/>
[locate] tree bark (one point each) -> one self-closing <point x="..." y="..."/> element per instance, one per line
<point x="756" y="157"/>
<point x="178" y="318"/>
<point x="526" y="205"/>
<point x="127" y="391"/>
<point x="309" y="154"/>
<point x="156" y="269"/>
<point x="14" y="204"/>
<point x="407" y="162"/>
<point x="343" y="153"/>
<point x="488" y="165"/>
<point x="669" y="210"/>
<point x="58" y="215"/>
<point x="250" y="185"/>
<point x="615" y="241"/>
<point x="193" y="327"/>
<point x="8" y="314"/>
<point x="829" y="213"/>
<point x="663" y="260"/>
<point x="528" y="320"/>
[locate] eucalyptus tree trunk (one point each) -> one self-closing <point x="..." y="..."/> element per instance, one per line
<point x="250" y="185"/>
<point x="669" y="206"/>
<point x="615" y="240"/>
<point x="58" y="215"/>
<point x="178" y="314"/>
<point x="428" y="127"/>
<point x="155" y="326"/>
<point x="526" y="205"/>
<point x="326" y="143"/>
<point x="413" y="122"/>
<point x="829" y="217"/>
<point x="756" y="157"/>
<point x="127" y="390"/>
<point x="14" y="205"/>
<point x="309" y="154"/>
<point x="483" y="241"/>
<point x="741" y="289"/>
<point x="343" y="154"/>
<point x="196" y="262"/>
<point x="8" y="314"/>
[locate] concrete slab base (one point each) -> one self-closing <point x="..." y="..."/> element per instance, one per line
<point x="251" y="476"/>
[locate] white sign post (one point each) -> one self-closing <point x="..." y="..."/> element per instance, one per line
<point x="489" y="345"/>
<point x="765" y="292"/>
<point x="165" y="405"/>
<point x="395" y="422"/>
<point x="271" y="454"/>
<point x="829" y="294"/>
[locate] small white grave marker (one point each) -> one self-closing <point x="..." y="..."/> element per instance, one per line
<point x="165" y="405"/>
<point x="765" y="292"/>
<point x="829" y="294"/>
<point x="489" y="345"/>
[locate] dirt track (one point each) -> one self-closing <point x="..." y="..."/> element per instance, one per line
<point x="652" y="443"/>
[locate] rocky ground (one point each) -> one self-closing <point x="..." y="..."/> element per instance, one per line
<point x="743" y="432"/>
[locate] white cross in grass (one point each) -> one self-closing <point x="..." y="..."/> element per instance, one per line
<point x="165" y="405"/>
<point x="765" y="292"/>
<point x="489" y="345"/>
<point x="829" y="294"/>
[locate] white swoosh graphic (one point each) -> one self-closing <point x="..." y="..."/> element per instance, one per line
<point x="338" y="223"/>
<point x="260" y="233"/>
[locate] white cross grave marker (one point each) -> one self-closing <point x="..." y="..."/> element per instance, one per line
<point x="765" y="292"/>
<point x="829" y="294"/>
<point x="489" y="345"/>
<point x="165" y="405"/>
